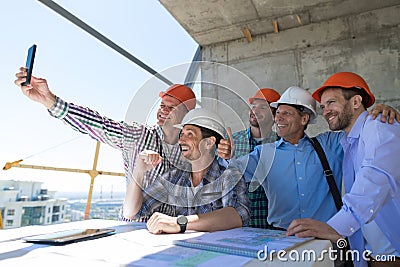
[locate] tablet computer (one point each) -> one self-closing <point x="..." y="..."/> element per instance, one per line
<point x="69" y="236"/>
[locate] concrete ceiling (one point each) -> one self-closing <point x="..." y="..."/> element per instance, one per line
<point x="215" y="21"/>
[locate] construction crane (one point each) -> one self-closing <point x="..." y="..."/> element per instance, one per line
<point x="192" y="72"/>
<point x="93" y="174"/>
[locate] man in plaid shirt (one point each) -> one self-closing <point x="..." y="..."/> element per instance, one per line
<point x="209" y="197"/>
<point x="261" y="121"/>
<point x="129" y="138"/>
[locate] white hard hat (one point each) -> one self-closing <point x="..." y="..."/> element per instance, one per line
<point x="298" y="96"/>
<point x="204" y="118"/>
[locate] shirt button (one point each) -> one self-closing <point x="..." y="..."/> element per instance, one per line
<point x="352" y="229"/>
<point x="300" y="178"/>
<point x="298" y="163"/>
<point x="302" y="195"/>
<point x="303" y="211"/>
<point x="371" y="211"/>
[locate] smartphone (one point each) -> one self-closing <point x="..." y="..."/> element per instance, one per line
<point x="69" y="236"/>
<point x="29" y="64"/>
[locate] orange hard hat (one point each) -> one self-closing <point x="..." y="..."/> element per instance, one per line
<point x="266" y="93"/>
<point x="183" y="93"/>
<point x="346" y="80"/>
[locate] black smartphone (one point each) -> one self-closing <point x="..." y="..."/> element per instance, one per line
<point x="29" y="64"/>
<point x="69" y="236"/>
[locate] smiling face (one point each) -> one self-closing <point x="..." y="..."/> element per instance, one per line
<point x="189" y="140"/>
<point x="260" y="113"/>
<point x="198" y="147"/>
<point x="290" y="124"/>
<point x="336" y="110"/>
<point x="171" y="111"/>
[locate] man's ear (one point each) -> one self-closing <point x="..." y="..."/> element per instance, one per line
<point x="305" y="118"/>
<point x="356" y="101"/>
<point x="211" y="141"/>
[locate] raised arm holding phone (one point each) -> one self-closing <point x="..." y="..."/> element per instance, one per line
<point x="129" y="138"/>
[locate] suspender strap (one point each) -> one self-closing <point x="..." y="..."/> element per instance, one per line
<point x="332" y="185"/>
<point x="328" y="173"/>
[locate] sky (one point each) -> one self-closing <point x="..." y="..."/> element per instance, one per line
<point x="82" y="70"/>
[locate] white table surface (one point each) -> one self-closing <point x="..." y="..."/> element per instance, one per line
<point x="129" y="246"/>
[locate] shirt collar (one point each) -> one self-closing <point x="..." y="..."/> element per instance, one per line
<point x="248" y="133"/>
<point x="160" y="132"/>
<point x="305" y="138"/>
<point x="212" y="173"/>
<point x="214" y="169"/>
<point x="356" y="129"/>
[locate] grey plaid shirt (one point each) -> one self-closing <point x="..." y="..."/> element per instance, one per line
<point x="173" y="194"/>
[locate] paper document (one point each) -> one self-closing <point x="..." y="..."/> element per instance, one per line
<point x="244" y="241"/>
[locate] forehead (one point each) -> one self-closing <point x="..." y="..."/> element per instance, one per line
<point x="259" y="102"/>
<point x="283" y="107"/>
<point x="190" y="127"/>
<point x="170" y="101"/>
<point x="331" y="93"/>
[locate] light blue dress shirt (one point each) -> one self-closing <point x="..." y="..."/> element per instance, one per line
<point x="371" y="170"/>
<point x="293" y="178"/>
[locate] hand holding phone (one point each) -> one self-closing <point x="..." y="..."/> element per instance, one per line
<point x="29" y="64"/>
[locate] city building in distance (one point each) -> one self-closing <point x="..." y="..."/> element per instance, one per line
<point x="25" y="203"/>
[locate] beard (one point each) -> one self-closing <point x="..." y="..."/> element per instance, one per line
<point x="255" y="124"/>
<point x="253" y="120"/>
<point x="343" y="119"/>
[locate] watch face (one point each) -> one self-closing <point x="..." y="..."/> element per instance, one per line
<point x="182" y="220"/>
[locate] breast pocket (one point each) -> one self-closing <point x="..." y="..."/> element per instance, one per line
<point x="212" y="199"/>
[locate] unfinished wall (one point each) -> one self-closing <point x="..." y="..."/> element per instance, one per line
<point x="335" y="39"/>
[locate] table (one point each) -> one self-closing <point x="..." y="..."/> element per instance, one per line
<point x="131" y="245"/>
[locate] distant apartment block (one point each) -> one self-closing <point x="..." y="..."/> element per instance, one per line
<point x="25" y="203"/>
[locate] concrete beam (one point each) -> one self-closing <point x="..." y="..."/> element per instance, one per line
<point x="211" y="22"/>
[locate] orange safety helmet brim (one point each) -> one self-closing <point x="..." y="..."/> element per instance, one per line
<point x="346" y="80"/>
<point x="267" y="94"/>
<point x="183" y="93"/>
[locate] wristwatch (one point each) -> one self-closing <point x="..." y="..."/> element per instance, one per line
<point x="182" y="222"/>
